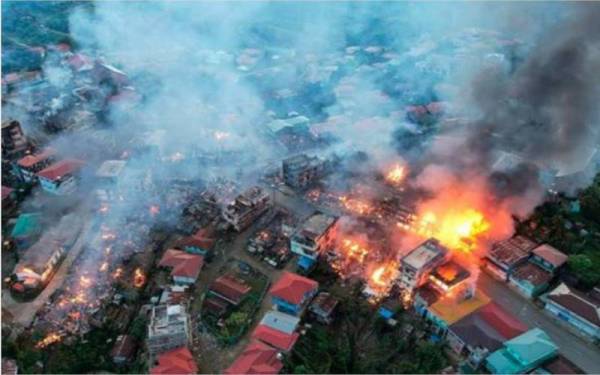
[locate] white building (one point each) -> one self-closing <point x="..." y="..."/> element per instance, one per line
<point x="419" y="262"/>
<point x="169" y="328"/>
<point x="247" y="207"/>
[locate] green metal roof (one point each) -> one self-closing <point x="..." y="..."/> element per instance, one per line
<point x="523" y="353"/>
<point x="26" y="225"/>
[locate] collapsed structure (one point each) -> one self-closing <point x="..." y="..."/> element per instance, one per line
<point x="248" y="206"/>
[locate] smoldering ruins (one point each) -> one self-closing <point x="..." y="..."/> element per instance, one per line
<point x="410" y="131"/>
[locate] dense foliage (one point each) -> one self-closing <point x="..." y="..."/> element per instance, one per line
<point x="360" y="342"/>
<point x="573" y="226"/>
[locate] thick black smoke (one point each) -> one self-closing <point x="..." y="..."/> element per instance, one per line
<point x="545" y="112"/>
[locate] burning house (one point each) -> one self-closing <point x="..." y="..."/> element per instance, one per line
<point x="39" y="262"/>
<point x="14" y="142"/>
<point x="316" y="235"/>
<point x="28" y="166"/>
<point x="248" y="206"/>
<point x="416" y="266"/>
<point x="302" y="171"/>
<point x="169" y="328"/>
<point x="448" y="277"/>
<point x="61" y="178"/>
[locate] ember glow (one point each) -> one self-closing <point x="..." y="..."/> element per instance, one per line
<point x="396" y="175"/>
<point x="356" y="205"/>
<point x="51" y="338"/>
<point x="383" y="277"/>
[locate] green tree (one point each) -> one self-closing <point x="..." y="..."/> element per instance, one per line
<point x="584" y="267"/>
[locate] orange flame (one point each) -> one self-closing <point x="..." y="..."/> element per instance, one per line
<point x="396" y="175"/>
<point x="51" y="338"/>
<point x="459" y="230"/>
<point x="356" y="205"/>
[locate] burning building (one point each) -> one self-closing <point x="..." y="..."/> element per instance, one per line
<point x="169" y="328"/>
<point x="14" y="142"/>
<point x="315" y="235"/>
<point x="302" y="171"/>
<point x="416" y="266"/>
<point x="40" y="261"/>
<point x="248" y="206"/>
<point x="448" y="277"/>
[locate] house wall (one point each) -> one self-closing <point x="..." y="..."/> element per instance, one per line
<point x="456" y="344"/>
<point x="496" y="271"/>
<point x="579" y="323"/>
<point x="65" y="186"/>
<point x="184" y="280"/>
<point x="526" y="288"/>
<point x="286" y="307"/>
<point x="543" y="263"/>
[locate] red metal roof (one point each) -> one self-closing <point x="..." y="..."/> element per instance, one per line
<point x="505" y="323"/>
<point x="230" y="288"/>
<point x="57" y="170"/>
<point x="182" y="264"/>
<point x="551" y="255"/>
<point x="257" y="358"/>
<point x="176" y="361"/>
<point x="6" y="191"/>
<point x="277" y="339"/>
<point x="292" y="287"/>
<point x="31" y="160"/>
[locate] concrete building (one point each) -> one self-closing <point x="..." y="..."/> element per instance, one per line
<point x="505" y="255"/>
<point x="169" y="328"/>
<point x="302" y="171"/>
<point x="317" y="234"/>
<point x="246" y="208"/>
<point x="14" y="142"/>
<point x="419" y="262"/>
<point x="580" y="310"/>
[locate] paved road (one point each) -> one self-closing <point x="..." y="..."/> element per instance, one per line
<point x="25" y="312"/>
<point x="573" y="347"/>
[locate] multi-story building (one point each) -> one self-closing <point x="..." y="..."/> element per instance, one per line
<point x="292" y="293"/>
<point x="316" y="235"/>
<point x="246" y="208"/>
<point x="419" y="262"/>
<point x="302" y="171"/>
<point x="14" y="142"/>
<point x="169" y="328"/>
